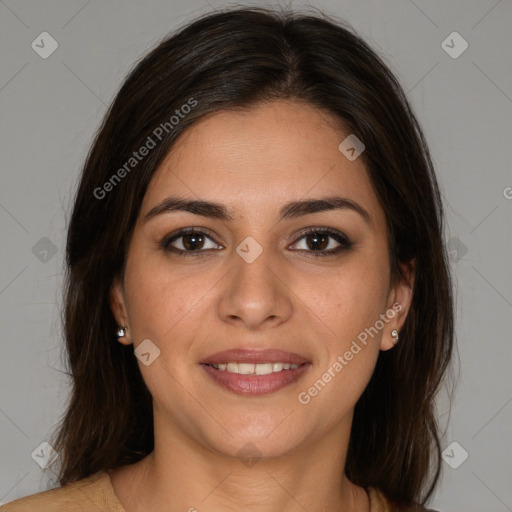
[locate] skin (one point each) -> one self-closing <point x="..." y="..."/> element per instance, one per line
<point x="254" y="161"/>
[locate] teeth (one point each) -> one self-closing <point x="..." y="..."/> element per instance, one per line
<point x="263" y="369"/>
<point x="232" y="367"/>
<point x="245" y="368"/>
<point x="277" y="367"/>
<point x="255" y="369"/>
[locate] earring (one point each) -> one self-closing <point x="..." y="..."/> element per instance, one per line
<point x="394" y="335"/>
<point x="121" y="331"/>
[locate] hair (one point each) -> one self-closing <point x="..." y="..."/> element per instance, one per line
<point x="233" y="59"/>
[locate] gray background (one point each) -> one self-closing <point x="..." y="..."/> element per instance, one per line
<point x="51" y="107"/>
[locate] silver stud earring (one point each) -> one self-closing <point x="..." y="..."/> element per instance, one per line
<point x="394" y="335"/>
<point x="121" y="331"/>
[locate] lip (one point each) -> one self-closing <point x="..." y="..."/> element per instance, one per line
<point x="255" y="356"/>
<point x="255" y="385"/>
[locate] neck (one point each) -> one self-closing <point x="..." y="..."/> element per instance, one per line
<point x="182" y="475"/>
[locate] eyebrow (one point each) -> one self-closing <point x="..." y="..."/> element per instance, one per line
<point x="291" y="210"/>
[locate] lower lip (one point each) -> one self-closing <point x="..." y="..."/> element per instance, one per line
<point x="255" y="385"/>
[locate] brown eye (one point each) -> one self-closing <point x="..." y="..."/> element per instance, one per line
<point x="318" y="240"/>
<point x="189" y="241"/>
<point x="193" y="241"/>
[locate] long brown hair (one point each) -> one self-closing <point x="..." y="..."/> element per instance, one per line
<point x="230" y="59"/>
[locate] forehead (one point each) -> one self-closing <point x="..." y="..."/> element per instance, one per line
<point x="259" y="158"/>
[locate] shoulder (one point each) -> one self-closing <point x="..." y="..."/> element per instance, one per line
<point x="379" y="503"/>
<point x="92" y="493"/>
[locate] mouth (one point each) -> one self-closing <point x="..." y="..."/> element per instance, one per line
<point x="255" y="372"/>
<point x="254" y="369"/>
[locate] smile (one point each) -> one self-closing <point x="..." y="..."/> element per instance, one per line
<point x="254" y="369"/>
<point x="255" y="372"/>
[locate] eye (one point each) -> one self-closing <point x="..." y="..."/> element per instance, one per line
<point x="194" y="242"/>
<point x="317" y="241"/>
<point x="189" y="240"/>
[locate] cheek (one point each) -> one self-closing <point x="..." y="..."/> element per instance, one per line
<point x="159" y="299"/>
<point x="349" y="302"/>
<point x="349" y="354"/>
<point x="352" y="299"/>
<point x="165" y="308"/>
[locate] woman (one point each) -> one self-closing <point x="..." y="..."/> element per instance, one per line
<point x="258" y="310"/>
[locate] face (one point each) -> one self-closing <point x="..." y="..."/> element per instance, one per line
<point x="255" y="276"/>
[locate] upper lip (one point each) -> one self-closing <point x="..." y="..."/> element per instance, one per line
<point x="255" y="356"/>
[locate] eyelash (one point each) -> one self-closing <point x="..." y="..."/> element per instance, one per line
<point x="342" y="239"/>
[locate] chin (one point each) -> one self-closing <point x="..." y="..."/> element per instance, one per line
<point x="269" y="440"/>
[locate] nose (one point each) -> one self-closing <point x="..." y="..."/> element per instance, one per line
<point x="255" y="292"/>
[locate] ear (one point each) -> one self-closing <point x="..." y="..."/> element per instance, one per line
<point x="118" y="307"/>
<point x="399" y="302"/>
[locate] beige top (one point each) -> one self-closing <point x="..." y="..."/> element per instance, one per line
<point x="96" y="494"/>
